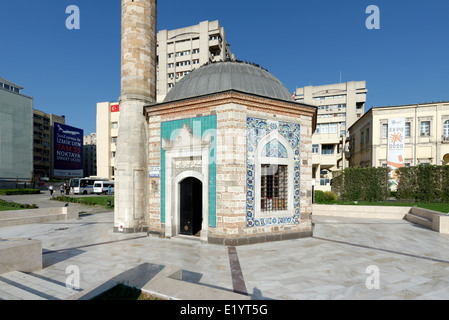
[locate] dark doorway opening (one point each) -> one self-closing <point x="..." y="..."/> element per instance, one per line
<point x="191" y="206"/>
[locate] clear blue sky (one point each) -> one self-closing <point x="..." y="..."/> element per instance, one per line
<point x="300" y="42"/>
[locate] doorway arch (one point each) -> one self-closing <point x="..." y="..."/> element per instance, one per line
<point x="446" y="159"/>
<point x="190" y="206"/>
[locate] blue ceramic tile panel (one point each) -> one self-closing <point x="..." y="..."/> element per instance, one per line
<point x="257" y="129"/>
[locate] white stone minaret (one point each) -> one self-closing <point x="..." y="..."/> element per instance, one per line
<point x="138" y="88"/>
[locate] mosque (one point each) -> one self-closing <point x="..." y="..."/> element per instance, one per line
<point x="225" y="158"/>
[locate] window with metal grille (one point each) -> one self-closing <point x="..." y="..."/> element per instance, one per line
<point x="273" y="187"/>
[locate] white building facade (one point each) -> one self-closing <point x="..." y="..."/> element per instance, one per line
<point x="182" y="50"/>
<point x="339" y="106"/>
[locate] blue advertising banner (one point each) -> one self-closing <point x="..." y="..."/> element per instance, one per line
<point x="68" y="151"/>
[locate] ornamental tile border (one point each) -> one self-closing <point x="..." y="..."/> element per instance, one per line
<point x="256" y="130"/>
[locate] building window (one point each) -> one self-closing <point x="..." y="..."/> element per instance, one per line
<point x="315" y="148"/>
<point x="273" y="187"/>
<point x="183" y="63"/>
<point x="183" y="53"/>
<point x="325" y="128"/>
<point x="446" y="129"/>
<point x="407" y="129"/>
<point x="324" y="178"/>
<point x="327" y="149"/>
<point x="384" y="131"/>
<point x="425" y="128"/>
<point x="333" y="128"/>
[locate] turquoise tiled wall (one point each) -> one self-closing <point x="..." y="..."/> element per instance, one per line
<point x="205" y="125"/>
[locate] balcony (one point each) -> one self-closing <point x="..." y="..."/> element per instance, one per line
<point x="215" y="43"/>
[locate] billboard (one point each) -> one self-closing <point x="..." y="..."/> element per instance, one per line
<point x="396" y="146"/>
<point x="68" y="151"/>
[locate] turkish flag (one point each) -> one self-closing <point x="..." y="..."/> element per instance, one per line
<point x="115" y="108"/>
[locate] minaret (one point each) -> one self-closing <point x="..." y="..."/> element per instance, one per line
<point x="138" y="88"/>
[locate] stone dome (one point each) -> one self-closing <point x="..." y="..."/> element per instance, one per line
<point x="226" y="76"/>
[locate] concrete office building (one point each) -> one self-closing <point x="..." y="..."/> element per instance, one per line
<point x="339" y="106"/>
<point x="426" y="136"/>
<point x="43" y="143"/>
<point x="182" y="50"/>
<point x="16" y="132"/>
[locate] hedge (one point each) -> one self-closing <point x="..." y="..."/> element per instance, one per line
<point x="361" y="184"/>
<point x="10" y="192"/>
<point x="4" y="203"/>
<point x="424" y="183"/>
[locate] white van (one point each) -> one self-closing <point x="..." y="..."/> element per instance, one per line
<point x="102" y="187"/>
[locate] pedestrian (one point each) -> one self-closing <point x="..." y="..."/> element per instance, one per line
<point x="71" y="191"/>
<point x="109" y="190"/>
<point x="61" y="189"/>
<point x="51" y="189"/>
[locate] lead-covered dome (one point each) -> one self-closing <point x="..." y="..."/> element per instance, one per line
<point x="225" y="76"/>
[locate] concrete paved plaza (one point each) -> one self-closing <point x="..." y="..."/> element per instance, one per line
<point x="346" y="259"/>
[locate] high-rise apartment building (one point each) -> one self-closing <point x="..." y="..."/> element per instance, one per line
<point x="339" y="106"/>
<point x="43" y="143"/>
<point x="182" y="50"/>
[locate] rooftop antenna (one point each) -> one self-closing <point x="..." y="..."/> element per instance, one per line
<point x="340" y="76"/>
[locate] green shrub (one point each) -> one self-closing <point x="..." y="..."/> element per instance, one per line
<point x="102" y="201"/>
<point x="330" y="197"/>
<point x="10" y="192"/>
<point x="319" y="196"/>
<point x="327" y="197"/>
<point x="4" y="203"/>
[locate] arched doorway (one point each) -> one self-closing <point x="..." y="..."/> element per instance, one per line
<point x="191" y="206"/>
<point x="446" y="159"/>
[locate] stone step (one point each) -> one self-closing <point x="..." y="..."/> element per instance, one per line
<point x="18" y="285"/>
<point x="419" y="220"/>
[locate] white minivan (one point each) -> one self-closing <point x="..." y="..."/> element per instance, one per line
<point x="102" y="187"/>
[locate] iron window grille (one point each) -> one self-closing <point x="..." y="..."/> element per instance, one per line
<point x="273" y="187"/>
